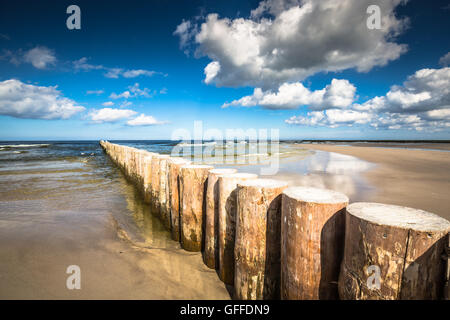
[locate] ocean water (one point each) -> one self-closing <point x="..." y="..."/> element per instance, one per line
<point x="76" y="177"/>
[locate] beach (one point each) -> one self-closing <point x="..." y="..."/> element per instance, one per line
<point x="67" y="203"/>
<point x="64" y="204"/>
<point x="416" y="176"/>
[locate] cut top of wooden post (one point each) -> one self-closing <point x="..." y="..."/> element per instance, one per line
<point x="315" y="195"/>
<point x="263" y="184"/>
<point x="196" y="166"/>
<point x="220" y="172"/>
<point x="399" y="217"/>
<point x="240" y="176"/>
<point x="179" y="160"/>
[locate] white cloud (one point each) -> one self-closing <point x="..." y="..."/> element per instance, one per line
<point x="211" y="71"/>
<point x="132" y="92"/>
<point x="114" y="73"/>
<point x="40" y="57"/>
<point x="97" y="92"/>
<point x="83" y="65"/>
<point x="125" y="95"/>
<point x="110" y="115"/>
<point x="338" y="94"/>
<point x="422" y="102"/>
<point x="108" y="104"/>
<point x="426" y="89"/>
<point x="27" y="101"/>
<point x="331" y="118"/>
<point x="287" y="41"/>
<point x="144" y="120"/>
<point x="137" y="73"/>
<point x="445" y="60"/>
<point x="125" y="104"/>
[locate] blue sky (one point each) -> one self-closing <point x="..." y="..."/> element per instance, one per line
<point x="130" y="46"/>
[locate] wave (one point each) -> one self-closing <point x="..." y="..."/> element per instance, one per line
<point x="38" y="145"/>
<point x="183" y="144"/>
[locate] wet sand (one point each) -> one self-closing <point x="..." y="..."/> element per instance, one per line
<point x="408" y="177"/>
<point x="83" y="212"/>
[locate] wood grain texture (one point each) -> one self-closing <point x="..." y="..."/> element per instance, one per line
<point x="405" y="243"/>
<point x="174" y="169"/>
<point x="312" y="243"/>
<point x="212" y="216"/>
<point x="193" y="188"/>
<point x="257" y="244"/>
<point x="227" y="210"/>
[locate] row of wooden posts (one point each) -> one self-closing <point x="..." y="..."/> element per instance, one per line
<point x="271" y="241"/>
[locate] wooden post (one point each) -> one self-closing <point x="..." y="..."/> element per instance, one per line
<point x="257" y="245"/>
<point x="163" y="196"/>
<point x="193" y="183"/>
<point x="212" y="216"/>
<point x="312" y="242"/>
<point x="446" y="258"/>
<point x="392" y="252"/>
<point x="140" y="170"/>
<point x="148" y="176"/>
<point x="154" y="198"/>
<point x="227" y="222"/>
<point x="174" y="168"/>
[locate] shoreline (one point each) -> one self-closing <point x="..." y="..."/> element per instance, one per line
<point x="401" y="176"/>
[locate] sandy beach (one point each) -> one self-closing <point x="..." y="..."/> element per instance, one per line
<point x="408" y="177"/>
<point x="69" y="205"/>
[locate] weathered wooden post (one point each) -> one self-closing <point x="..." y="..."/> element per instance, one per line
<point x="257" y="245"/>
<point x="148" y="176"/>
<point x="155" y="184"/>
<point x="392" y="252"/>
<point x="163" y="196"/>
<point x="312" y="242"/>
<point x="193" y="185"/>
<point x="140" y="170"/>
<point x="227" y="222"/>
<point x="212" y="216"/>
<point x="174" y="169"/>
<point x="446" y="258"/>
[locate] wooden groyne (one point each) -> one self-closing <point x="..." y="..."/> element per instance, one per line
<point x="275" y="242"/>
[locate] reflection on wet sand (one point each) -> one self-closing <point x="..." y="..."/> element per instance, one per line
<point x="320" y="169"/>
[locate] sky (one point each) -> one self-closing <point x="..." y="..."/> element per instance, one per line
<point x="320" y="69"/>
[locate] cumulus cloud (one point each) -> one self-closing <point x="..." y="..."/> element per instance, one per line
<point x="331" y="118"/>
<point x="110" y="115"/>
<point x="421" y="102"/>
<point x="143" y="120"/>
<point x="27" y="101"/>
<point x="338" y="94"/>
<point x="287" y="41"/>
<point x="40" y="57"/>
<point x="426" y="89"/>
<point x="108" y="104"/>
